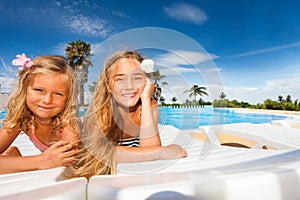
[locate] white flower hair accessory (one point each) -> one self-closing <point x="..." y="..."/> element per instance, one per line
<point x="22" y="61"/>
<point x="147" y="65"/>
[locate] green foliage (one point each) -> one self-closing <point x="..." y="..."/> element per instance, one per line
<point x="219" y="104"/>
<point x="231" y="104"/>
<point x="78" y="52"/>
<point x="281" y="104"/>
<point x="196" y="90"/>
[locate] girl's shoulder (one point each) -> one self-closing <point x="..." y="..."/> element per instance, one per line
<point x="10" y="131"/>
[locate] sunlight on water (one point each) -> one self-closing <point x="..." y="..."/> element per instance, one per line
<point x="191" y="118"/>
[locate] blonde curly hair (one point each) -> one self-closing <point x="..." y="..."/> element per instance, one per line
<point x="18" y="113"/>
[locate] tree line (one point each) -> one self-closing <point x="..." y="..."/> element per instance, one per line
<point x="280" y="104"/>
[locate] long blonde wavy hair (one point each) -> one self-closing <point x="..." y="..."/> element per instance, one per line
<point x="102" y="125"/>
<point x="18" y="114"/>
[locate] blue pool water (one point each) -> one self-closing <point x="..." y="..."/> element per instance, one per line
<point x="190" y="118"/>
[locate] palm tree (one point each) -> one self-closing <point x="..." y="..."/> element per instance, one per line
<point x="201" y="102"/>
<point x="196" y="90"/>
<point x="79" y="57"/>
<point x="162" y="100"/>
<point x="222" y="96"/>
<point x="157" y="77"/>
<point x="288" y="98"/>
<point x="280" y="98"/>
<point x="174" y="99"/>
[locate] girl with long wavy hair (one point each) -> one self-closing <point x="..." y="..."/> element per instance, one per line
<point x="121" y="123"/>
<point x="41" y="108"/>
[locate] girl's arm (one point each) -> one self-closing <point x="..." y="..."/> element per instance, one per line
<point x="11" y="164"/>
<point x="149" y="135"/>
<point x="140" y="154"/>
<point x="58" y="154"/>
<point x="7" y="138"/>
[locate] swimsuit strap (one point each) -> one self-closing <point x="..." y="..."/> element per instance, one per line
<point x="41" y="146"/>
<point x="34" y="139"/>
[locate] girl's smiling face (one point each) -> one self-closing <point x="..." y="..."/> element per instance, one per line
<point x="46" y="95"/>
<point x="126" y="82"/>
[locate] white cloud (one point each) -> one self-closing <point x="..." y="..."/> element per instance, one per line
<point x="265" y="50"/>
<point x="76" y="17"/>
<point x="272" y="89"/>
<point x="181" y="57"/>
<point x="176" y="70"/>
<point x="57" y="3"/>
<point x="8" y="84"/>
<point x="8" y="79"/>
<point x="186" y="13"/>
<point x="120" y="14"/>
<point x="193" y="67"/>
<point x="80" y="24"/>
<point x="7" y="69"/>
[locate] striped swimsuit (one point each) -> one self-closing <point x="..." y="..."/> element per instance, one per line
<point x="130" y="142"/>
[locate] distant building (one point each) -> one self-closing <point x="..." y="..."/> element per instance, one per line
<point x="3" y="100"/>
<point x="88" y="96"/>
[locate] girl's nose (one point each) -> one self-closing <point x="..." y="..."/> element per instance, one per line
<point x="47" y="98"/>
<point x="130" y="84"/>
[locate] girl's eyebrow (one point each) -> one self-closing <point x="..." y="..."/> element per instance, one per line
<point x="137" y="73"/>
<point x="117" y="75"/>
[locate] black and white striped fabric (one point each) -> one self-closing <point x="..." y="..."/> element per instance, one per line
<point x="130" y="142"/>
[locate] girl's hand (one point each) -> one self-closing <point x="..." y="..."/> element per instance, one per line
<point x="148" y="90"/>
<point x="172" y="151"/>
<point x="57" y="155"/>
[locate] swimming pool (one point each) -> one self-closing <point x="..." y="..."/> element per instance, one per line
<point x="191" y="118"/>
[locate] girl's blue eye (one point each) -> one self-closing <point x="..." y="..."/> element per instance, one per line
<point x="119" y="79"/>
<point x="37" y="89"/>
<point x="59" y="94"/>
<point x="138" y="78"/>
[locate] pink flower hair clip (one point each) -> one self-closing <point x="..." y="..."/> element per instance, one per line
<point x="22" y="61"/>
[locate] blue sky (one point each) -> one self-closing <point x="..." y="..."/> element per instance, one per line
<point x="253" y="45"/>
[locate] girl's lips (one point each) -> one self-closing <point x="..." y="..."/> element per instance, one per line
<point x="44" y="108"/>
<point x="129" y="95"/>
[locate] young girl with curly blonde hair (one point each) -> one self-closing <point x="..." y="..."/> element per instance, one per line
<point x="41" y="108"/>
<point x="121" y="124"/>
